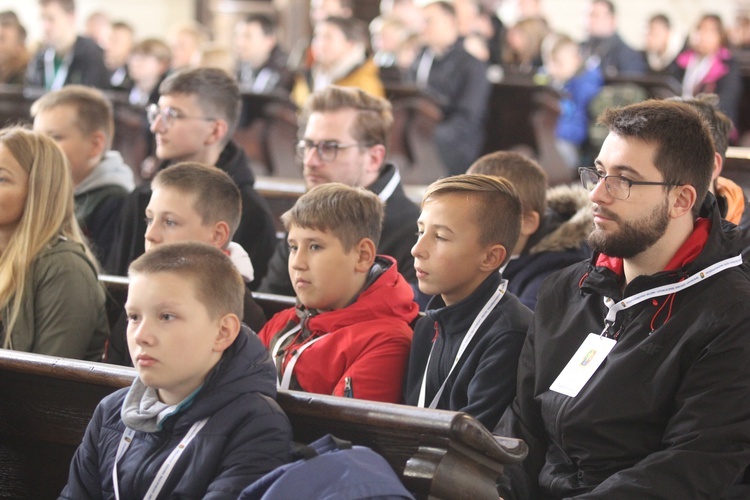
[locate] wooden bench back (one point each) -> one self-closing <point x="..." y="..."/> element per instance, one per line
<point x="47" y="403"/>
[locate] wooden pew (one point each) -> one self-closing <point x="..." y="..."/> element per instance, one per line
<point x="47" y="402"/>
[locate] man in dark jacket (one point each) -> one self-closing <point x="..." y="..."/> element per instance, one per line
<point x="344" y="136"/>
<point x="194" y="121"/>
<point x="605" y="48"/>
<point x="66" y="57"/>
<point x="262" y="65"/>
<point x="458" y="82"/>
<point x="635" y="365"/>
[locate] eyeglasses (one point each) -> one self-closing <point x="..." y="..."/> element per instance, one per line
<point x="327" y="150"/>
<point x="169" y="115"/>
<point x="617" y="186"/>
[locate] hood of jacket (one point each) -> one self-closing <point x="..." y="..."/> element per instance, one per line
<point x="566" y="224"/>
<point x="112" y="170"/>
<point x="388" y="296"/>
<point x="245" y="367"/>
<point x="241" y="261"/>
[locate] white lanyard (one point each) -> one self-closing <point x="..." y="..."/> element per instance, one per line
<point x="424" y="67"/>
<point x="488" y="307"/>
<point x="615" y="307"/>
<point x="390" y="187"/>
<point x="52" y="80"/>
<point x="286" y="378"/>
<point x="166" y="467"/>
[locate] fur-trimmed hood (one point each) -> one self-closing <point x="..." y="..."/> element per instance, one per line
<point x="566" y="224"/>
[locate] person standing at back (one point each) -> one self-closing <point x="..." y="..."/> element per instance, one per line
<point x="457" y="80"/>
<point x="65" y="57"/>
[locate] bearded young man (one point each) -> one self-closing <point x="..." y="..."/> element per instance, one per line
<point x="634" y="378"/>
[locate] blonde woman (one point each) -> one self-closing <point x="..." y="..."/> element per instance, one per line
<point x="50" y="299"/>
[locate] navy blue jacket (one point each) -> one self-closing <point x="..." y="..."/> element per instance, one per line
<point x="246" y="436"/>
<point x="484" y="381"/>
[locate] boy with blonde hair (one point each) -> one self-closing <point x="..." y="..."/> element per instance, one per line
<point x="200" y="419"/>
<point x="350" y="332"/>
<point x="194" y="202"/>
<point x="80" y="120"/>
<point x="554" y="223"/>
<point x="465" y="350"/>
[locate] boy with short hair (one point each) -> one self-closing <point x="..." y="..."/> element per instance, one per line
<point x="193" y="202"/>
<point x="465" y="350"/>
<point x="350" y="333"/>
<point x="204" y="391"/>
<point x="554" y="223"/>
<point x="80" y="120"/>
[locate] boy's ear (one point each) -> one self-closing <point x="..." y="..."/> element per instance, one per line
<point x="530" y="222"/>
<point x="229" y="328"/>
<point x="219" y="131"/>
<point x="220" y="234"/>
<point x="493" y="258"/>
<point x="365" y="254"/>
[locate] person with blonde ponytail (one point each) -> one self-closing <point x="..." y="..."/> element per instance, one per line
<point x="50" y="299"/>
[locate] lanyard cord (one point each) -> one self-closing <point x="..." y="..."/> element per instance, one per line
<point x="626" y="303"/>
<point x="488" y="307"/>
<point x="166" y="467"/>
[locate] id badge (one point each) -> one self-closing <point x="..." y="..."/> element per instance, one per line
<point x="582" y="366"/>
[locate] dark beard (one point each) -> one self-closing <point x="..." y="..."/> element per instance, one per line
<point x="631" y="238"/>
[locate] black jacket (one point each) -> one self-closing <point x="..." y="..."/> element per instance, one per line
<point x="399" y="234"/>
<point x="559" y="242"/>
<point x="458" y="81"/>
<point x="256" y="233"/>
<point x="86" y="68"/>
<point x="246" y="436"/>
<point x="666" y="415"/>
<point x="483" y="382"/>
<point x="613" y="56"/>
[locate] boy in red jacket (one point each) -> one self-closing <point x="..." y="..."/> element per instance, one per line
<point x="350" y="333"/>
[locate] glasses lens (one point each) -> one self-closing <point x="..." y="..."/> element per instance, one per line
<point x="152" y="111"/>
<point x="302" y="149"/>
<point x="328" y="150"/>
<point x="618" y="188"/>
<point x="589" y="179"/>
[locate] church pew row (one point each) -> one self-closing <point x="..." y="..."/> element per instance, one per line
<point x="737" y="167"/>
<point x="46" y="403"/>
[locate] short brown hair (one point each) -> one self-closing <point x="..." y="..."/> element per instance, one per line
<point x="497" y="208"/>
<point x="217" y="197"/>
<point x="349" y="213"/>
<point x="721" y="125"/>
<point x="217" y="93"/>
<point x="529" y="179"/>
<point x="684" y="147"/>
<point x="93" y="109"/>
<point x="154" y="47"/>
<point x="374" y="116"/>
<point x="218" y="284"/>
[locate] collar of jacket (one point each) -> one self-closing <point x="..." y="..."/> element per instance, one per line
<point x="457" y="318"/>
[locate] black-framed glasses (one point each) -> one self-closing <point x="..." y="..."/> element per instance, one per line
<point x="617" y="186"/>
<point x="326" y="150"/>
<point x="169" y="115"/>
